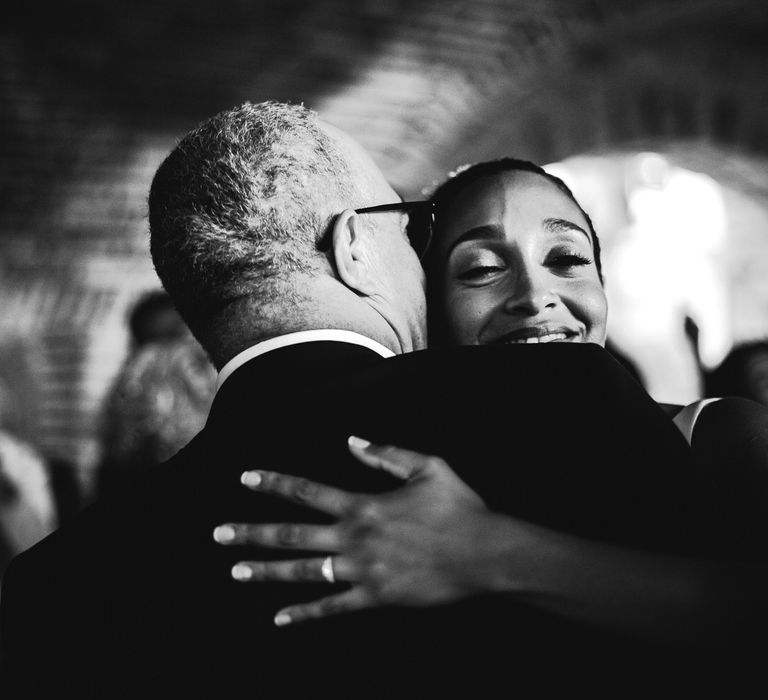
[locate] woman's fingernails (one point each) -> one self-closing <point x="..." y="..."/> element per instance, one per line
<point x="241" y="572"/>
<point x="358" y="442"/>
<point x="224" y="533"/>
<point x="251" y="479"/>
<point x="282" y="619"/>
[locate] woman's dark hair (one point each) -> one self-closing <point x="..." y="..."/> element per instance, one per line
<point x="446" y="193"/>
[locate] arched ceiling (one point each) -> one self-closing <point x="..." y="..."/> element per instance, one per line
<point x="424" y="84"/>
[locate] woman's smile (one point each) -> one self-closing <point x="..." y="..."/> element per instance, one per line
<point x="536" y="334"/>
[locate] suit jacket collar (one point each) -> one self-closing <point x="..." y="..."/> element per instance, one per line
<point x="281" y="341"/>
<point x="272" y="377"/>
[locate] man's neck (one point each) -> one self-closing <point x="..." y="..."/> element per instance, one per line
<point x="328" y="304"/>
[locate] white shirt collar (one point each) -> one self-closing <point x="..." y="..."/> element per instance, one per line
<point x="282" y="341"/>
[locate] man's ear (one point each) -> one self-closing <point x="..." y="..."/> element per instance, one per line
<point x="351" y="252"/>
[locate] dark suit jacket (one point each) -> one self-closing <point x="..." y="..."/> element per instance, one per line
<point x="134" y="599"/>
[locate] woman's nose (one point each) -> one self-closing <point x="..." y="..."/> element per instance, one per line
<point x="530" y="295"/>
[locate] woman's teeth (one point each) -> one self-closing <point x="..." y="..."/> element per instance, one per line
<point x="552" y="338"/>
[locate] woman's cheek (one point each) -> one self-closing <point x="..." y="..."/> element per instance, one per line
<point x="595" y="312"/>
<point x="466" y="315"/>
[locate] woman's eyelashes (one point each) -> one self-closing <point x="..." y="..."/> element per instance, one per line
<point x="565" y="259"/>
<point x="479" y="268"/>
<point x="484" y="266"/>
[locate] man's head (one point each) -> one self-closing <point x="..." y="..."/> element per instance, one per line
<point x="236" y="212"/>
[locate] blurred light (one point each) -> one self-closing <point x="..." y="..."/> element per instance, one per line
<point x="661" y="267"/>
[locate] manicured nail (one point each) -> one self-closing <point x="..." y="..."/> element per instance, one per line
<point x="241" y="572"/>
<point x="358" y="442"/>
<point x="223" y="534"/>
<point x="282" y="619"/>
<point x="251" y="479"/>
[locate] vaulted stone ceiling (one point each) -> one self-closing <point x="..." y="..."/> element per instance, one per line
<point x="424" y="84"/>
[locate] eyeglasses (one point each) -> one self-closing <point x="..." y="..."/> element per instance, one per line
<point x="421" y="220"/>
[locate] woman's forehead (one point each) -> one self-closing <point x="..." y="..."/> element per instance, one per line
<point x="493" y="197"/>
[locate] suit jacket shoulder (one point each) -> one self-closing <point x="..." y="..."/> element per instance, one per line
<point x="146" y="605"/>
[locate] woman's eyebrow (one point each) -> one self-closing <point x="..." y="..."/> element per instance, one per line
<point x="555" y="225"/>
<point x="487" y="232"/>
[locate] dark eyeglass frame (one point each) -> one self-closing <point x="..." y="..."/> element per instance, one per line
<point x="419" y="240"/>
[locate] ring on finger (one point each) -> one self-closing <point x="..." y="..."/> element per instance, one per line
<point x="326" y="569"/>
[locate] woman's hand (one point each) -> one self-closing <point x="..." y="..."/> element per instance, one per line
<point x="412" y="546"/>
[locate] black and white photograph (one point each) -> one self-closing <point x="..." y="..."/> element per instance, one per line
<point x="272" y="421"/>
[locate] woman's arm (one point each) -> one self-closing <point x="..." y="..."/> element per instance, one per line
<point x="433" y="541"/>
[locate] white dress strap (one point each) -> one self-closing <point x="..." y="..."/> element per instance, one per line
<point x="685" y="420"/>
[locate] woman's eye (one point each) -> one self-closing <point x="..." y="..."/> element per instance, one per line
<point x="477" y="265"/>
<point x="566" y="260"/>
<point x="478" y="272"/>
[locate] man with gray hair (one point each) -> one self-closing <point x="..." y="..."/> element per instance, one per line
<point x="237" y="212"/>
<point x="296" y="266"/>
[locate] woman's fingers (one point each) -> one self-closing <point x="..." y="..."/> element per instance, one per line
<point x="349" y="601"/>
<point x="405" y="464"/>
<point x="330" y="569"/>
<point x="280" y="536"/>
<point x="293" y="488"/>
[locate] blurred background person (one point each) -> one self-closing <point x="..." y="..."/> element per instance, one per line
<point x="27" y="505"/>
<point x="160" y="397"/>
<point x="158" y="402"/>
<point x="34" y="493"/>
<point x="152" y="319"/>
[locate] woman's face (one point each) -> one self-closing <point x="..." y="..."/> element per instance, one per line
<point x="519" y="265"/>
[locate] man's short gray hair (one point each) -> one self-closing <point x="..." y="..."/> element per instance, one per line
<point x="240" y="204"/>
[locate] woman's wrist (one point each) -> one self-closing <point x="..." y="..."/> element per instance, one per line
<point x="507" y="557"/>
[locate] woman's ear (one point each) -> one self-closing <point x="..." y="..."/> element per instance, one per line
<point x="351" y="254"/>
